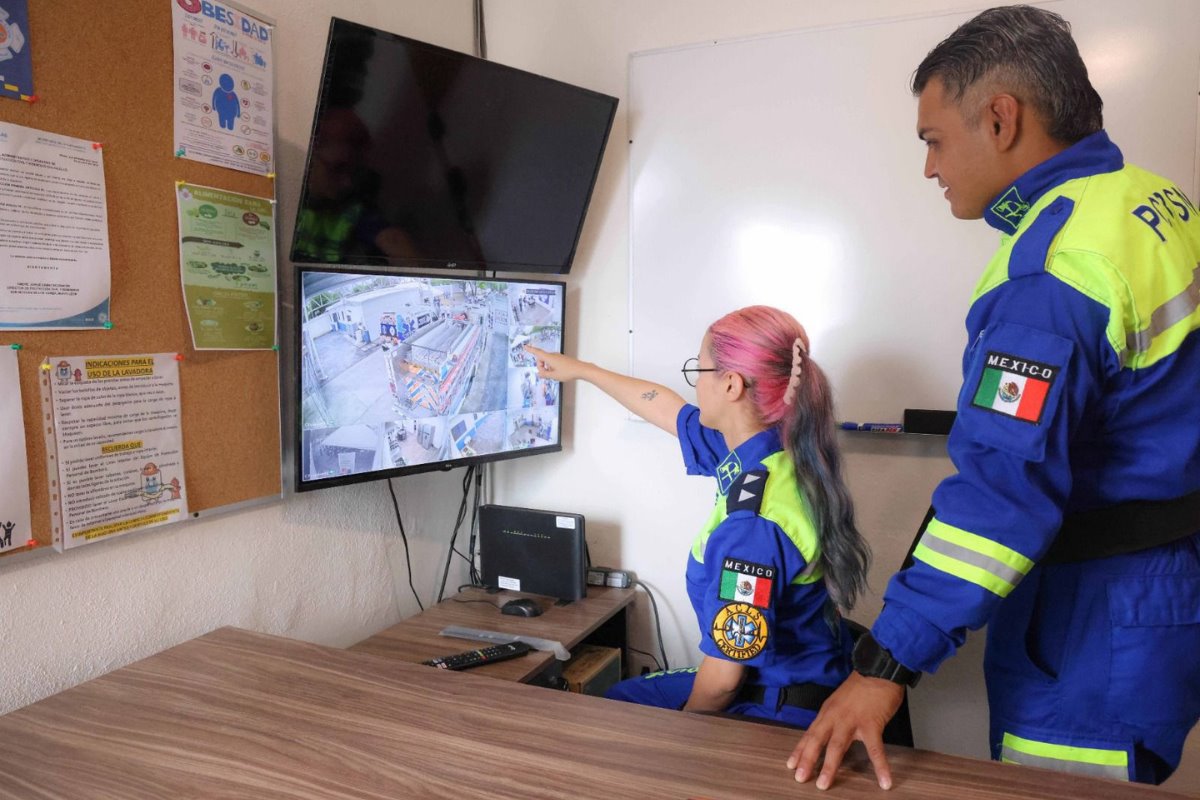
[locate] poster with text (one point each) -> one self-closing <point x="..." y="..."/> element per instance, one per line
<point x="16" y="65"/>
<point x="14" y="469"/>
<point x="54" y="263"/>
<point x="227" y="260"/>
<point x="224" y="87"/>
<point x="118" y="443"/>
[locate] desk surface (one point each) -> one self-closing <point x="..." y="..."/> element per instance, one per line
<point x="235" y="714"/>
<point x="417" y="638"/>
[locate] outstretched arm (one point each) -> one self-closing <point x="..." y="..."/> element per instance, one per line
<point x="651" y="401"/>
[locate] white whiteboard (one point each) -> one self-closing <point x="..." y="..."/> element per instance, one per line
<point x="786" y="170"/>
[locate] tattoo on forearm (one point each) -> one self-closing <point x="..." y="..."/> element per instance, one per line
<point x="650" y="395"/>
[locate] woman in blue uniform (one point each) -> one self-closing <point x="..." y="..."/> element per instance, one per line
<point x="780" y="552"/>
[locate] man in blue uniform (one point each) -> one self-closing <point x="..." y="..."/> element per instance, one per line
<point x="1070" y="528"/>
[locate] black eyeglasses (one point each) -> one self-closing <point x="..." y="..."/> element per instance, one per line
<point x="692" y="366"/>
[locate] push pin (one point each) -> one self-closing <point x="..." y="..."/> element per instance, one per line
<point x="108" y="326"/>
<point x="97" y="145"/>
<point x="271" y="175"/>
<point x="180" y="184"/>
<point x="15" y="346"/>
<point x="32" y="543"/>
<point x="181" y="152"/>
<point x="274" y="347"/>
<point x="179" y="356"/>
<point x="46" y="367"/>
<point x="33" y="98"/>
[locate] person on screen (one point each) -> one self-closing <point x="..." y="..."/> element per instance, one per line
<point x="780" y="552"/>
<point x="339" y="218"/>
<point x="1071" y="526"/>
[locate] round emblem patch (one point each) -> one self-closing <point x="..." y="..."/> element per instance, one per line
<point x="740" y="631"/>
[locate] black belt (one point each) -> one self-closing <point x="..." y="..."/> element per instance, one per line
<point x="1125" y="528"/>
<point x="802" y="695"/>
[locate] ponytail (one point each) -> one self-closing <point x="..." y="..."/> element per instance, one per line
<point x="769" y="348"/>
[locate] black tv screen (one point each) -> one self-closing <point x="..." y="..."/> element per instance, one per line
<point x="426" y="157"/>
<point x="403" y="373"/>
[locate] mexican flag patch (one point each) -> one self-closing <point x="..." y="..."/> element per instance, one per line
<point x="744" y="582"/>
<point x="1014" y="386"/>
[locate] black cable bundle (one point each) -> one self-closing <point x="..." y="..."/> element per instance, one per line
<point x="473" y="471"/>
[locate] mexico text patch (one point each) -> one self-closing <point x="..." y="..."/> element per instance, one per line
<point x="739" y="631"/>
<point x="744" y="582"/>
<point x="1014" y="386"/>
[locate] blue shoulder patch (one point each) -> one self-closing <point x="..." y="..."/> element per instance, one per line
<point x="746" y="493"/>
<point x="1028" y="255"/>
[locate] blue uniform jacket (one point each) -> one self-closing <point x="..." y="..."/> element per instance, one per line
<point x="1081" y="380"/>
<point x="751" y="576"/>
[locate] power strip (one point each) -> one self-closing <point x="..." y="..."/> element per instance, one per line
<point x="607" y="576"/>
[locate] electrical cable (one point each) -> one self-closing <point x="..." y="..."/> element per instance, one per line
<point x="657" y="623"/>
<point x="480" y="31"/>
<point x="462" y="515"/>
<point x="404" y="538"/>
<point x="476" y="578"/>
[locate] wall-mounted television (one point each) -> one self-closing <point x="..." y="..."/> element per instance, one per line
<point x="402" y="373"/>
<point x="426" y="157"/>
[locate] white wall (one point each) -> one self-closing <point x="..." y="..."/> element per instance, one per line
<point x="627" y="477"/>
<point x="326" y="567"/>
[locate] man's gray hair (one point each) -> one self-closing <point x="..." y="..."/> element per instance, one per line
<point x="1027" y="52"/>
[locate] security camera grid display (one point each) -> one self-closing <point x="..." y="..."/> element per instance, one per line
<point x="404" y="370"/>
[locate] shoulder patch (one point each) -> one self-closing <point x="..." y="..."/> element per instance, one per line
<point x="740" y="631"/>
<point x="1028" y="256"/>
<point x="746" y="582"/>
<point x="1014" y="386"/>
<point x="746" y="493"/>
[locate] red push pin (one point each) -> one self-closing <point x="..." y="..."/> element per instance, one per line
<point x="97" y="145"/>
<point x="32" y="543"/>
<point x="179" y="356"/>
<point x="33" y="98"/>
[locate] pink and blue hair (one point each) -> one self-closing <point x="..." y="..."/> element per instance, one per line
<point x="757" y="343"/>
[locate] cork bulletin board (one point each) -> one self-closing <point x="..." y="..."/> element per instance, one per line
<point x="103" y="72"/>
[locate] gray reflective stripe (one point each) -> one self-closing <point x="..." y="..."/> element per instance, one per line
<point x="1177" y="309"/>
<point x="976" y="559"/>
<point x="1113" y="772"/>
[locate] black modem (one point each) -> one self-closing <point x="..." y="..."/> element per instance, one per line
<point x="533" y="551"/>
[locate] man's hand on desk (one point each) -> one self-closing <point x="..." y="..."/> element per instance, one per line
<point x="858" y="710"/>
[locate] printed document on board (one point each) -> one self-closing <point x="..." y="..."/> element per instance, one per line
<point x="54" y="264"/>
<point x="14" y="468"/>
<point x="227" y="260"/>
<point x="224" y="82"/>
<point x="16" y="61"/>
<point x="118" y="443"/>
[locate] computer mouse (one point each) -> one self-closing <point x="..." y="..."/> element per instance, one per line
<point x="524" y="607"/>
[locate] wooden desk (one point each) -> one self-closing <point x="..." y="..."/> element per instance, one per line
<point x="235" y="714"/>
<point x="600" y="617"/>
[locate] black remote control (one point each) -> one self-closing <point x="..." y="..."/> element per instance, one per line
<point x="477" y="658"/>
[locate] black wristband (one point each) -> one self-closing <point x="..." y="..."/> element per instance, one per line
<point x="872" y="660"/>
